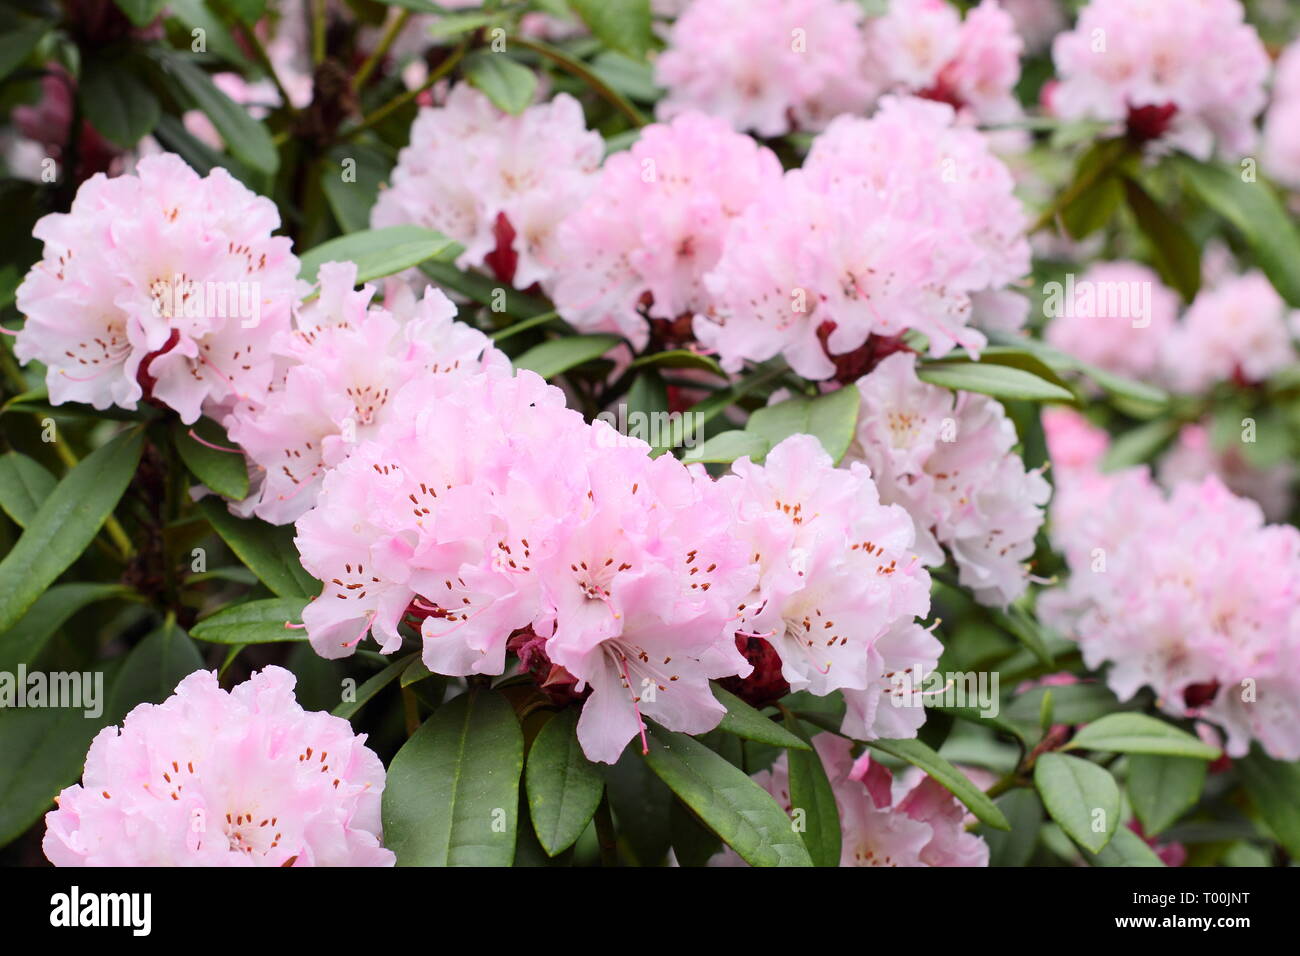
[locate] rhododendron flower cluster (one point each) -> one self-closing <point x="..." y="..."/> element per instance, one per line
<point x="1191" y="594"/>
<point x="498" y="184"/>
<point x="210" y="778"/>
<point x="1281" y="157"/>
<point x="164" y="285"/>
<point x="948" y="460"/>
<point x="1188" y="72"/>
<point x="655" y="224"/>
<point x="924" y="47"/>
<point x="902" y="222"/>
<point x="926" y="827"/>
<point x="1194" y="456"/>
<point x="765" y="65"/>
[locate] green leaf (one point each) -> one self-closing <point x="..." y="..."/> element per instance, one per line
<point x="141" y="12"/>
<point x="1162" y="788"/>
<point x="634" y="78"/>
<point x="452" y="794"/>
<point x="811" y="795"/>
<point x="680" y="358"/>
<point x="744" y="721"/>
<point x="247" y="11"/>
<point x="24" y="484"/>
<point x="1139" y="445"/>
<point x="352" y="188"/>
<point x="622" y="25"/>
<point x="485" y="291"/>
<point x="117" y="104"/>
<point x="952" y="779"/>
<point x="253" y="622"/>
<point x="1071" y="704"/>
<point x="731" y="804"/>
<point x="556" y="356"/>
<point x="1078" y="793"/>
<point x="17" y="43"/>
<point x="268" y="550"/>
<point x="23" y="642"/>
<point x="1140" y="734"/>
<point x="1175" y="255"/>
<point x="367" y="691"/>
<point x="1000" y="381"/>
<point x="831" y="418"/>
<point x="1257" y="213"/>
<point x="1016" y="622"/>
<point x="152" y="670"/>
<point x="564" y="787"/>
<point x="246" y="138"/>
<point x="454" y="24"/>
<point x="505" y="81"/>
<point x="1012" y="357"/>
<point x="196" y="14"/>
<point x="1096" y="190"/>
<point x="66" y="523"/>
<point x="225" y="472"/>
<point x="381" y="252"/>
<point x="726" y="447"/>
<point x="1125" y="848"/>
<point x="1274" y="789"/>
<point x="1014" y="847"/>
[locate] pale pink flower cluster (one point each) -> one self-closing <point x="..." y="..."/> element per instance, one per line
<point x="924" y="47"/>
<point x="948" y="459"/>
<point x="1189" y="72"/>
<point x="1194" y="456"/>
<point x="655" y="224"/>
<point x="765" y="65"/>
<point x="1118" y="318"/>
<point x="339" y="367"/>
<point x="1281" y="154"/>
<point x="1238" y="330"/>
<point x="1191" y="594"/>
<point x="496" y="183"/>
<point x="902" y="222"/>
<point x="484" y="509"/>
<point x="926" y="827"/>
<point x="210" y="778"/>
<point x="164" y="285"/>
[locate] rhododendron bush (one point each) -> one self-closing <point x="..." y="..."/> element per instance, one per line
<point x="698" y="433"/>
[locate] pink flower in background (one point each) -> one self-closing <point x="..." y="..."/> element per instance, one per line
<point x="924" y="47"/>
<point x="924" y="828"/>
<point x="1281" y="153"/>
<point x="210" y="778"/>
<point x="765" y="65"/>
<point x="498" y="184"/>
<point x="1195" y="455"/>
<point x="1118" y="318"/>
<point x="893" y="223"/>
<point x="947" y="458"/>
<point x="1190" y="73"/>
<point x="1239" y="330"/>
<point x="164" y="285"/>
<point x="1037" y="21"/>
<point x="655" y="224"/>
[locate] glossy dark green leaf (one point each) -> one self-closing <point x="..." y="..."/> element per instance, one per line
<point x="1140" y="734"/>
<point x="225" y="472"/>
<point x="24" y="485"/>
<point x="557" y="356"/>
<point x="812" y="801"/>
<point x="23" y="642"/>
<point x="1000" y="381"/>
<point x="948" y="776"/>
<point x="18" y="41"/>
<point x="1125" y="848"/>
<point x="1014" y="847"/>
<point x="564" y="787"/>
<point x="1176" y="256"/>
<point x="622" y="25"/>
<point x="831" y="418"/>
<point x="253" y="622"/>
<point x="118" y="104"/>
<point x="505" y="81"/>
<point x="744" y="721"/>
<point x="381" y="252"/>
<point x="153" y="669"/>
<point x="268" y="550"/>
<point x="141" y="12"/>
<point x="1163" y="788"/>
<point x="349" y="708"/>
<point x="247" y="139"/>
<point x="726" y="447"/>
<point x="1274" y="789"/>
<point x="1081" y="796"/>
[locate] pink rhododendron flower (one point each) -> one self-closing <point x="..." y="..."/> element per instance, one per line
<point x="1037" y="21"/>
<point x="924" y="828"/>
<point x="765" y="65"/>
<point x="1188" y="72"/>
<point x="345" y="360"/>
<point x="1239" y="330"/>
<point x="655" y="224"/>
<point x="210" y="778"/>
<point x="164" y="285"/>
<point x="1281" y="153"/>
<point x="498" y="184"/>
<point x="924" y="47"/>
<point x="1117" y="315"/>
<point x="893" y="223"/>
<point x="1195" y="455"/>
<point x="947" y="458"/>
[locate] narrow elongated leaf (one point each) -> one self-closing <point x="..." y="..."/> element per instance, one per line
<point x="24" y="485"/>
<point x="152" y="670"/>
<point x="1274" y="788"/>
<point x="1014" y="847"/>
<point x="680" y="358"/>
<point x="17" y="42"/>
<point x="225" y="472"/>
<point x="559" y="355"/>
<point x="117" y="104"/>
<point x="1125" y="848"/>
<point x="452" y="795"/>
<point x="1081" y="796"/>
<point x="812" y="801"/>
<point x="245" y="138"/>
<point x="1139" y="445"/>
<point x="831" y="418"/>
<point x="253" y="622"/>
<point x="726" y="800"/>
<point x="66" y="523"/>
<point x="24" y="641"/>
<point x="485" y="291"/>
<point x="1140" y="734"/>
<point x="1176" y="256"/>
<point x="1162" y="789"/>
<point x="351" y="182"/>
<point x="381" y="252"/>
<point x="726" y="447"/>
<point x="622" y="25"/>
<point x="268" y="550"/>
<point x="1000" y="381"/>
<point x="744" y="721"/>
<point x="141" y="12"/>
<point x="564" y="787"/>
<point x="952" y="779"/>
<point x="367" y="691"/>
<point x="505" y="81"/>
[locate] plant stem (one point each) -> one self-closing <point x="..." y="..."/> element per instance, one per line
<point x="318" y="23"/>
<point x="379" y="115"/>
<point x="379" y="52"/>
<point x="264" y="58"/>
